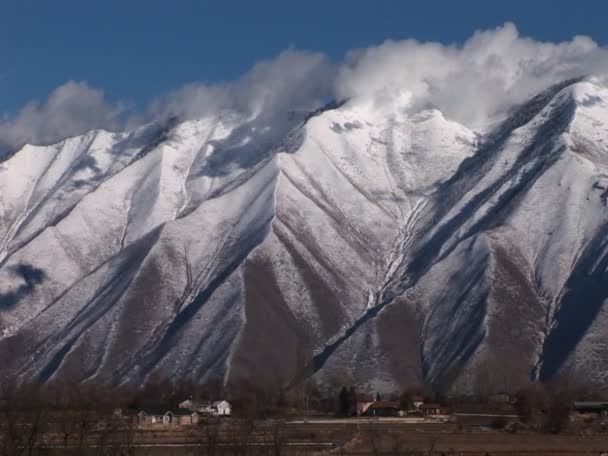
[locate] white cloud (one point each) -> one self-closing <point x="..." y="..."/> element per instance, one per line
<point x="473" y="83"/>
<point x="71" y="109"/>
<point x="294" y="80"/>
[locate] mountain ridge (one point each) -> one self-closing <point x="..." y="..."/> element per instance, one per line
<point x="229" y="239"/>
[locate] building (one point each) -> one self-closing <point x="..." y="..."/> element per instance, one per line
<point x="430" y="409"/>
<point x="184" y="417"/>
<point x="417" y="401"/>
<point x="363" y="403"/>
<point x="591" y="407"/>
<point x="150" y="415"/>
<point x="202" y="407"/>
<point x="164" y="416"/>
<point x="222" y="408"/>
<point x="383" y="408"/>
<point x="217" y="408"/>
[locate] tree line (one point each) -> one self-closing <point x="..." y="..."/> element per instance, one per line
<point x="82" y="416"/>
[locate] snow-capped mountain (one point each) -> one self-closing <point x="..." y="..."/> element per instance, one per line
<point x="377" y="244"/>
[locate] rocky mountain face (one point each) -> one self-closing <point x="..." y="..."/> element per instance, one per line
<point x="384" y="246"/>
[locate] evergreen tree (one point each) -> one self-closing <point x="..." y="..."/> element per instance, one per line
<point x="344" y="402"/>
<point x="352" y="401"/>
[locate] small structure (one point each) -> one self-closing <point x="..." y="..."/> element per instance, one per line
<point x="139" y="417"/>
<point x="202" y="408"/>
<point x="169" y="417"/>
<point x="417" y="401"/>
<point x="363" y="403"/>
<point x="180" y="417"/>
<point x="383" y="408"/>
<point x="430" y="409"/>
<point x="217" y="408"/>
<point x="151" y="415"/>
<point x="601" y="408"/>
<point x="205" y="408"/>
<point x="222" y="408"/>
<point x="184" y="417"/>
<point x="164" y="416"/>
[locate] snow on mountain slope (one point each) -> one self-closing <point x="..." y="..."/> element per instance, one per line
<point x="109" y="235"/>
<point x="522" y="216"/>
<point x="389" y="246"/>
<point x="345" y="202"/>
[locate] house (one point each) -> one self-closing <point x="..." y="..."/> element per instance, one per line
<point x="383" y="408"/>
<point x="180" y="417"/>
<point x="137" y="416"/>
<point x="430" y="409"/>
<point x="168" y="417"/>
<point x="184" y="417"/>
<point x="164" y="416"/>
<point x="217" y="408"/>
<point x="363" y="402"/>
<point x="206" y="409"/>
<point x="591" y="407"/>
<point x="151" y="415"/>
<point x="222" y="408"/>
<point x="203" y="408"/>
<point x="417" y="401"/>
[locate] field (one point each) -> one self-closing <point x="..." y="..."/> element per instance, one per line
<point x="352" y="437"/>
<point x="394" y="437"/>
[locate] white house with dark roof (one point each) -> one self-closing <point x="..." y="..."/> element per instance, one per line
<point x="222" y="408"/>
<point x="217" y="408"/>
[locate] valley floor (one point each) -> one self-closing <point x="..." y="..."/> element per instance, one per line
<point x="355" y="437"/>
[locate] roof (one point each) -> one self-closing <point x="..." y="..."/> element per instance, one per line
<point x="159" y="410"/>
<point x="590" y="404"/>
<point x="180" y="411"/>
<point x="218" y="403"/>
<point x="430" y="406"/>
<point x="154" y="409"/>
<point x="384" y="404"/>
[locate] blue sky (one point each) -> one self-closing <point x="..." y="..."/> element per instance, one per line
<point x="136" y="50"/>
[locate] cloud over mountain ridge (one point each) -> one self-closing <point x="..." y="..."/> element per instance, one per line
<point x="471" y="83"/>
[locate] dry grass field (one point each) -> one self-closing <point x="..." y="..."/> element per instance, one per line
<point x="342" y="437"/>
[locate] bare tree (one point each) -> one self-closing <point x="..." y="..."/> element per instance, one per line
<point x="532" y="403"/>
<point x="113" y="436"/>
<point x="208" y="436"/>
<point x="23" y="413"/>
<point x="243" y="437"/>
<point x="278" y="437"/>
<point x="433" y="440"/>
